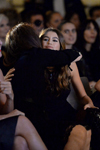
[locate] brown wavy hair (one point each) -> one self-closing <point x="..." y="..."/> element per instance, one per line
<point x="19" y="39"/>
<point x="61" y="75"/>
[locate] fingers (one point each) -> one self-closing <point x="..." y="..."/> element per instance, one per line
<point x="9" y="74"/>
<point x="10" y="71"/>
<point x="8" y="77"/>
<point x="89" y="106"/>
<point x="86" y="106"/>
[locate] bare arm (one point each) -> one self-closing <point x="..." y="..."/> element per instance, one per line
<point x="78" y="86"/>
<point x="97" y="85"/>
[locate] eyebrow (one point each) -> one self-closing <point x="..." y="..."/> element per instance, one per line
<point x="53" y="37"/>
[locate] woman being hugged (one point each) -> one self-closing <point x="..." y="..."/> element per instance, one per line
<point x="60" y="113"/>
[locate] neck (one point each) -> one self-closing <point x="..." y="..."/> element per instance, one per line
<point x="88" y="47"/>
<point x="68" y="46"/>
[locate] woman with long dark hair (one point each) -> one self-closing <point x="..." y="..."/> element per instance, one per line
<point x="88" y="44"/>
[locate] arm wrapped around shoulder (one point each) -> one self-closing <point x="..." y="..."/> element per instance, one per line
<point x="74" y="55"/>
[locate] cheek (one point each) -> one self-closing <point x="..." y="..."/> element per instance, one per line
<point x="85" y="35"/>
<point x="1" y="29"/>
<point x="54" y="24"/>
<point x="65" y="37"/>
<point x="75" y="36"/>
<point x="8" y="27"/>
<point x="43" y="44"/>
<point x="51" y="22"/>
<point x="57" y="47"/>
<point x="66" y="40"/>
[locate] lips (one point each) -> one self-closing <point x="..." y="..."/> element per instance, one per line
<point x="49" y="47"/>
<point x="71" y="39"/>
<point x="93" y="37"/>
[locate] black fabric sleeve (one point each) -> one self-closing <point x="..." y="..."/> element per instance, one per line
<point x="53" y="58"/>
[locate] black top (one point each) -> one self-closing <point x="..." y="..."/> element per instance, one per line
<point x="89" y="65"/>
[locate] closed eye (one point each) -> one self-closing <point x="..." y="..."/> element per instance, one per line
<point x="55" y="40"/>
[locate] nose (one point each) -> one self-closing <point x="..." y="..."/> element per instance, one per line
<point x="49" y="41"/>
<point x="92" y="30"/>
<point x="70" y="33"/>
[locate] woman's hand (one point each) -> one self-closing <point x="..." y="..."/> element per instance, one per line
<point x="6" y="88"/>
<point x="89" y="105"/>
<point x="9" y="75"/>
<point x="78" y="58"/>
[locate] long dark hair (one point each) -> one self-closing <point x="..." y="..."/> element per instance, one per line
<point x="19" y="39"/>
<point x="80" y="43"/>
<point x="61" y="75"/>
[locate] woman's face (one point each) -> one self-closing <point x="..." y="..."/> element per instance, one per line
<point x="55" y="20"/>
<point x="75" y="20"/>
<point x="4" y="28"/>
<point x="34" y="26"/>
<point x="69" y="32"/>
<point x="90" y="33"/>
<point x="51" y="41"/>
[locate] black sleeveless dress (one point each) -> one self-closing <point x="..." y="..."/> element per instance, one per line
<point x="7" y="132"/>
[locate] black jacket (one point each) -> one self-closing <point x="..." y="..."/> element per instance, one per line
<point x="28" y="81"/>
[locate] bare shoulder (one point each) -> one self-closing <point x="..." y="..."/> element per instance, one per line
<point x="73" y="66"/>
<point x="74" y="71"/>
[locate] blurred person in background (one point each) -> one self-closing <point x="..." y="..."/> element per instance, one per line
<point x="94" y="12"/>
<point x="4" y="27"/>
<point x="74" y="17"/>
<point x="13" y="16"/>
<point x="53" y="19"/>
<point x="64" y="6"/>
<point x="35" y="18"/>
<point x="88" y="44"/>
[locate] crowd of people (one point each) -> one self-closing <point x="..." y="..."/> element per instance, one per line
<point x="42" y="53"/>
